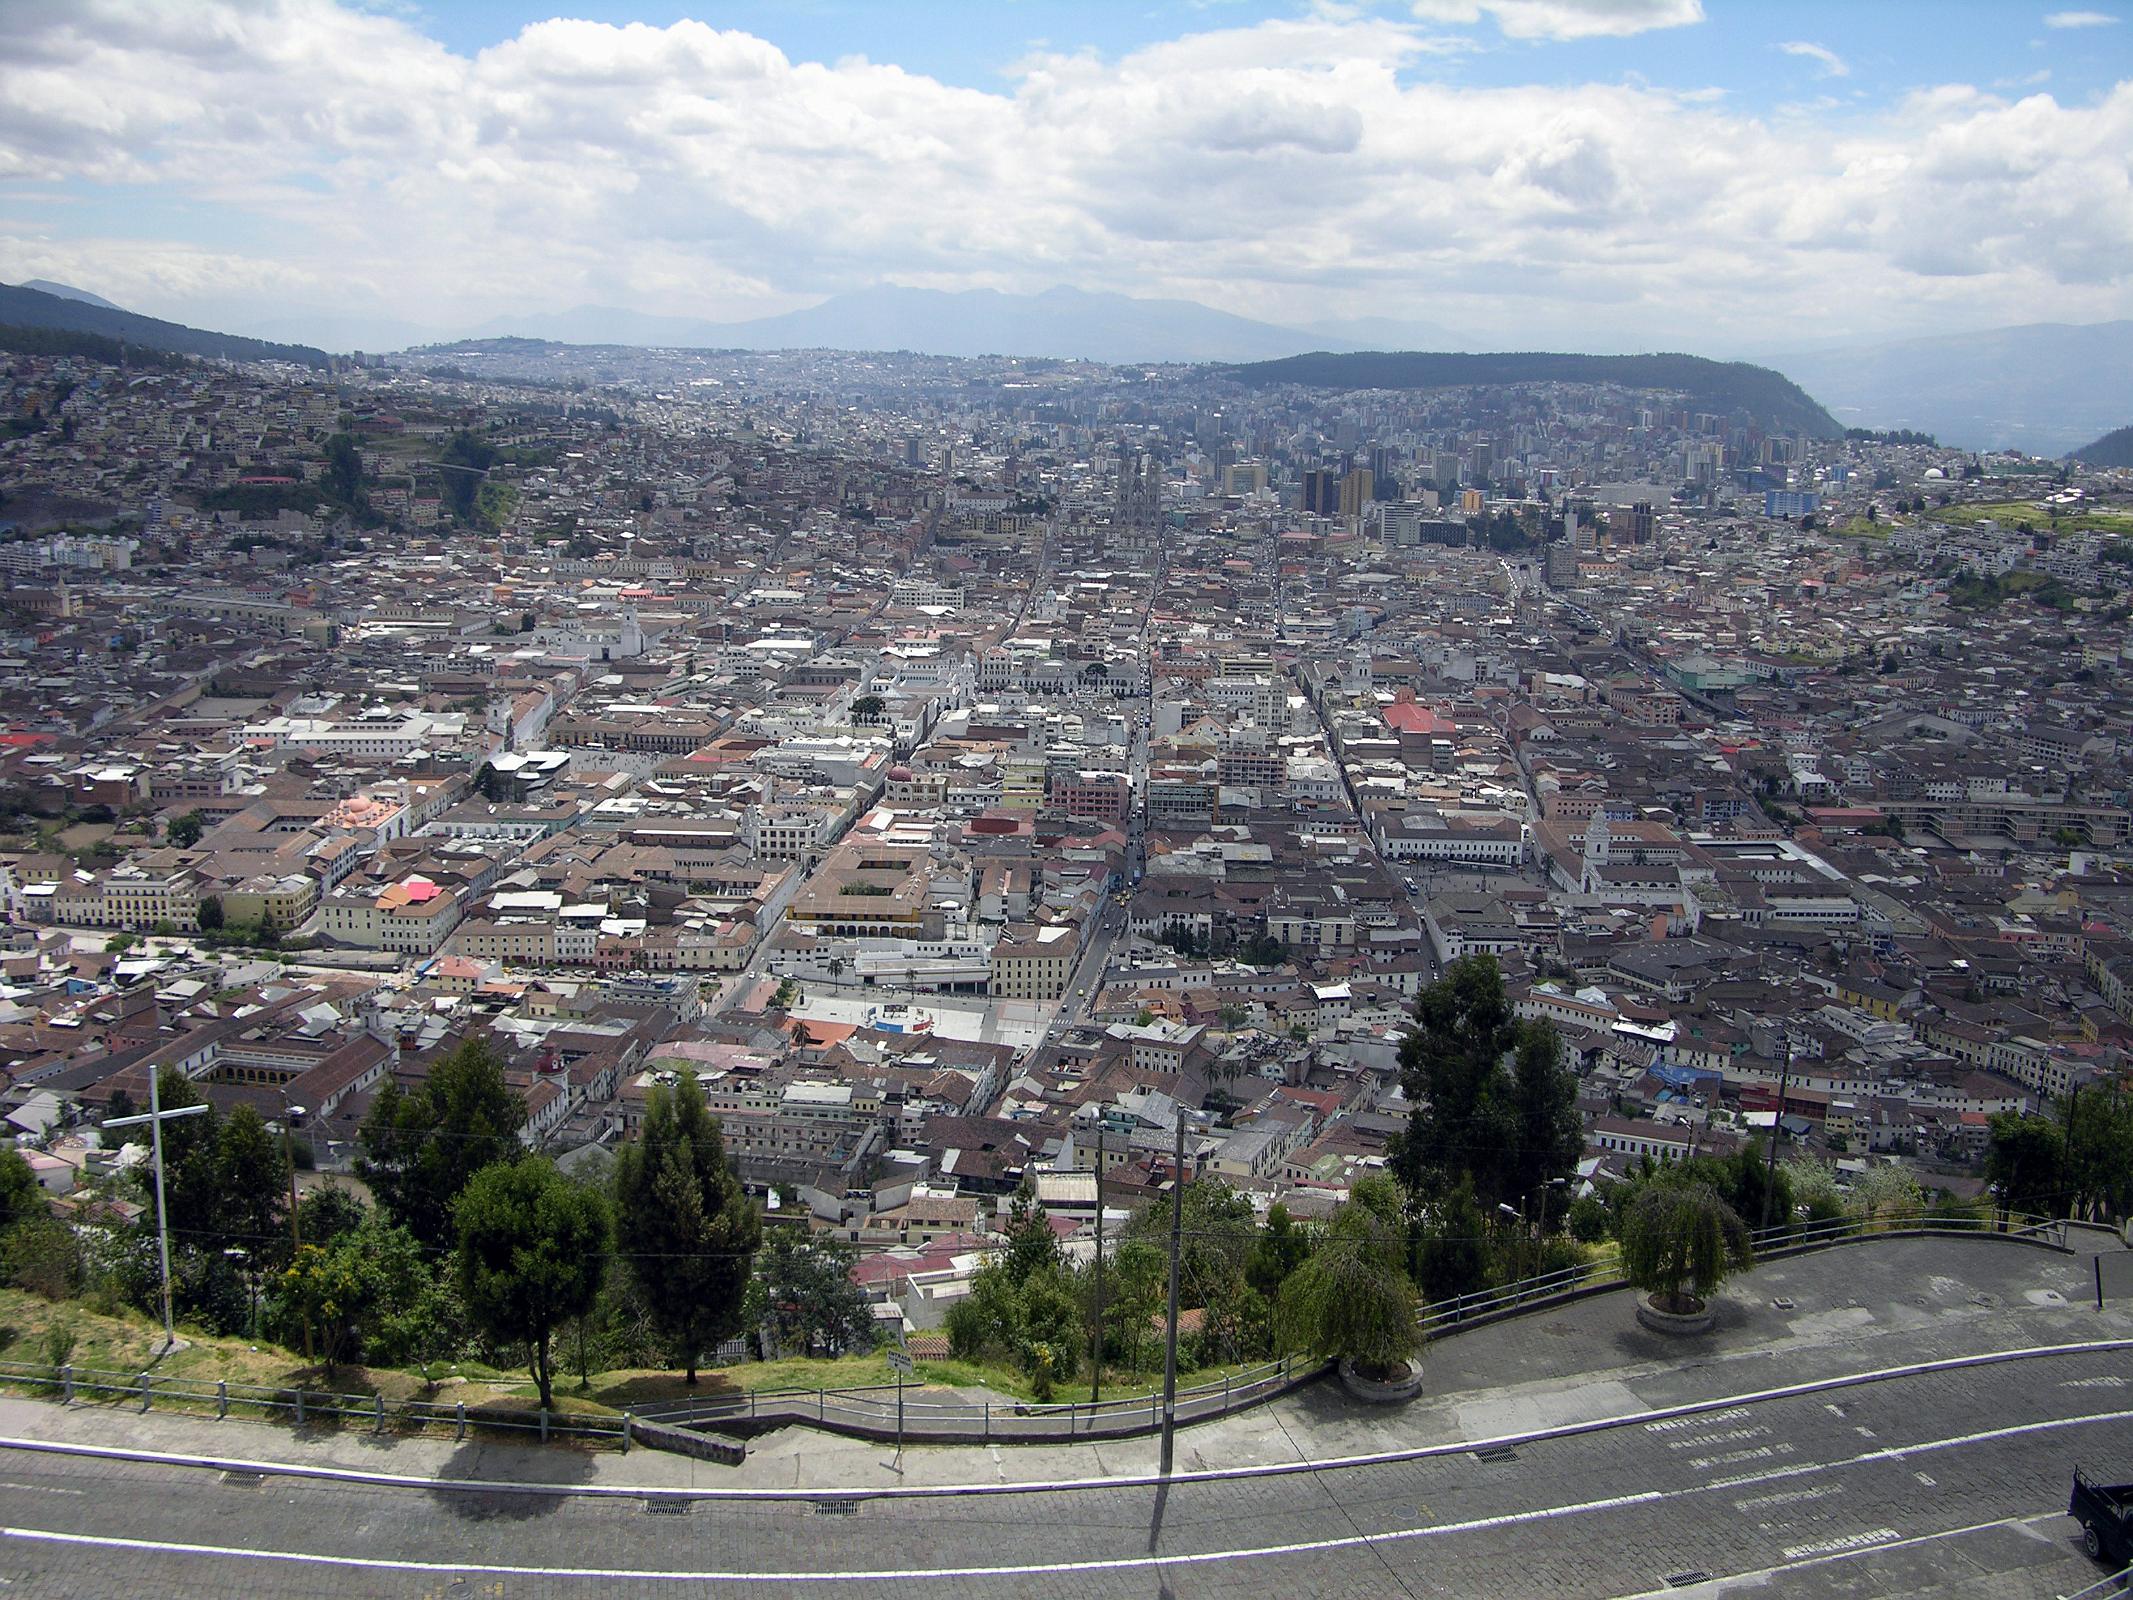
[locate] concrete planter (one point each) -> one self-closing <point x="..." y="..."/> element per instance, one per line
<point x="1675" y="1322"/>
<point x="1372" y="1391"/>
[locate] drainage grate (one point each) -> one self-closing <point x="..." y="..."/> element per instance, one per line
<point x="836" y="1508"/>
<point x="244" y="1480"/>
<point x="668" y="1508"/>
<point x="1681" y="1580"/>
<point x="1497" y="1452"/>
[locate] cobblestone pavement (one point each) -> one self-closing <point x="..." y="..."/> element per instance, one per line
<point x="1944" y="1483"/>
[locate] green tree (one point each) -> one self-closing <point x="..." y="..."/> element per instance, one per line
<point x="1218" y="1232"/>
<point x="20" y="1194"/>
<point x="533" y="1248"/>
<point x="808" y="1296"/>
<point x="1031" y="1245"/>
<point x="369" y="1294"/>
<point x="2025" y="1164"/>
<point x="1279" y="1250"/>
<point x="343" y="477"/>
<point x="2099" y="1152"/>
<point x="465" y="463"/>
<point x="251" y="1180"/>
<point x="689" y="1231"/>
<point x="1451" y="1245"/>
<point x="1492" y="1099"/>
<point x="210" y="913"/>
<point x="867" y="707"/>
<point x="421" y="1146"/>
<point x="186" y="828"/>
<point x="1354" y="1301"/>
<point x="1680" y="1241"/>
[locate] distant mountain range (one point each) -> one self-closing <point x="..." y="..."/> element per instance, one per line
<point x="1066" y="323"/>
<point x="2044" y="387"/>
<point x="66" y="291"/>
<point x="77" y="311"/>
<point x="1717" y="386"/>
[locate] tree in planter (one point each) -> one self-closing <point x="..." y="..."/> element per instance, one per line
<point x="1680" y="1241"/>
<point x="1354" y="1301"/>
<point x="533" y="1248"/>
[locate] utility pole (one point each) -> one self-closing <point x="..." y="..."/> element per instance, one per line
<point x="1770" y="1170"/>
<point x="1170" y="1338"/>
<point x="296" y="1233"/>
<point x="154" y="1119"/>
<point x="1096" y="1338"/>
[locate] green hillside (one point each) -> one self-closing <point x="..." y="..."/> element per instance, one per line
<point x="2114" y="449"/>
<point x="33" y="308"/>
<point x="1717" y="386"/>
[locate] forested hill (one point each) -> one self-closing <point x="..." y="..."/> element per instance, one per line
<point x="2114" y="449"/>
<point x="33" y="308"/>
<point x="1717" y="386"/>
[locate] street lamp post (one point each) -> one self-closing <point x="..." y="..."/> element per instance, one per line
<point x="291" y="1115"/>
<point x="154" y="1119"/>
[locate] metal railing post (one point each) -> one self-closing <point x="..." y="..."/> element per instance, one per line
<point x="144" y="1391"/>
<point x="378" y="1426"/>
<point x="66" y="1385"/>
<point x="460" y="1419"/>
<point x="625" y="1433"/>
<point x="299" y="1405"/>
<point x="988" y="1422"/>
<point x="222" y="1398"/>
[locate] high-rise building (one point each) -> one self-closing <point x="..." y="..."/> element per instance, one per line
<point x="1355" y="492"/>
<point x="1321" y="492"/>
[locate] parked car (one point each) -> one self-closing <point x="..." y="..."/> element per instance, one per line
<point x="2102" y="1510"/>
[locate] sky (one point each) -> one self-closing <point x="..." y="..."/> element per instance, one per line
<point x="1720" y="176"/>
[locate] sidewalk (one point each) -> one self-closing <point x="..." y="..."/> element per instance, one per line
<point x="1849" y="1310"/>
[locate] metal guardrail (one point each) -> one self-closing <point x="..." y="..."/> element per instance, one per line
<point x="304" y="1405"/>
<point x="871" y="1412"/>
<point x="1443" y="1316"/>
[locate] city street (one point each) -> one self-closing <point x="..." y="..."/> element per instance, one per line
<point x="1865" y="1478"/>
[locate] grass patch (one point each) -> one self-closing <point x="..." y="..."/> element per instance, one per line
<point x="2010" y="512"/>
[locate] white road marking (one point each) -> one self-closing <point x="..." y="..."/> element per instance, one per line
<point x="1733" y="1458"/>
<point x="1703" y="1441"/>
<point x="1849" y="1541"/>
<point x="1788" y="1497"/>
<point x="41" y="1488"/>
<point x="1055" y="1568"/>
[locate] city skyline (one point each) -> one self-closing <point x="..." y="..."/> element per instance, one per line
<point x="1595" y="174"/>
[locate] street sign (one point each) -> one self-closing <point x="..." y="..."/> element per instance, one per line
<point x="901" y="1364"/>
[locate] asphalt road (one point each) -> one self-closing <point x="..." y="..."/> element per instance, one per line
<point x="1922" y="1484"/>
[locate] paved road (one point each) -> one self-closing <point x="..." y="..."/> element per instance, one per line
<point x="1948" y="1482"/>
<point x="1748" y="1489"/>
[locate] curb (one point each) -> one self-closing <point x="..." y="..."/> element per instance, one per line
<point x="1064" y="1485"/>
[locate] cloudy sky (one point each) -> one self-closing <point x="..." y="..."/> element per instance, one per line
<point x="1713" y="175"/>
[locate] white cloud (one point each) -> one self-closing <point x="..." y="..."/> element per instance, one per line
<point x="2079" y="19"/>
<point x="1565" y="19"/>
<point x="1832" y="64"/>
<point x="302" y="153"/>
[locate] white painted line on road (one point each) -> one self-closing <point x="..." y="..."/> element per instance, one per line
<point x="1848" y="1541"/>
<point x="1879" y="1538"/>
<point x="872" y="1575"/>
<point x="1743" y="1580"/>
<point x="1689" y="1414"/>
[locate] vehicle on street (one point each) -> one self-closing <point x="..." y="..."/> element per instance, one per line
<point x="2102" y="1509"/>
